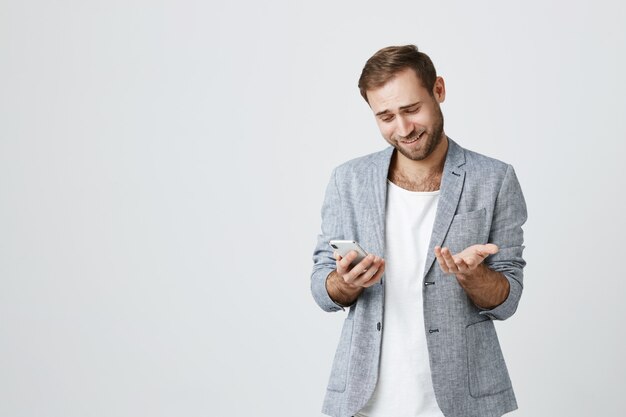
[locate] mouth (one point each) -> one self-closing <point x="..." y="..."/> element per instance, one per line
<point x="414" y="138"/>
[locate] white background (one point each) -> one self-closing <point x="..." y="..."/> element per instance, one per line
<point x="162" y="168"/>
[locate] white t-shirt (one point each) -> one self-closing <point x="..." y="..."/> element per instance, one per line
<point x="404" y="385"/>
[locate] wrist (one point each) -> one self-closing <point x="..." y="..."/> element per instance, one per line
<point x="340" y="291"/>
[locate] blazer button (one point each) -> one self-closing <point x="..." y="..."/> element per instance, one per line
<point x="378" y="326"/>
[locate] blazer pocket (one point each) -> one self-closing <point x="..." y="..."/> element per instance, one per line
<point x="466" y="229"/>
<point x="339" y="372"/>
<point x="470" y="215"/>
<point x="486" y="367"/>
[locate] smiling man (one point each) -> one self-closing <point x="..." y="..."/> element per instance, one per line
<point x="443" y="228"/>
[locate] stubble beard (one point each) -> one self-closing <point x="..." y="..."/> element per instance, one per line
<point x="432" y="140"/>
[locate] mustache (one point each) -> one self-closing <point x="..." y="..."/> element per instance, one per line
<point x="413" y="135"/>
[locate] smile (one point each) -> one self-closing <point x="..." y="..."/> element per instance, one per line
<point x="414" y="139"/>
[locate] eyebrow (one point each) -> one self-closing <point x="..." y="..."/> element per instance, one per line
<point x="380" y="113"/>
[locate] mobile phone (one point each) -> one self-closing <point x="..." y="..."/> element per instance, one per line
<point x="344" y="246"/>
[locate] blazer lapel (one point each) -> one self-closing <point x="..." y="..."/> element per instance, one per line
<point x="379" y="182"/>
<point x="451" y="187"/>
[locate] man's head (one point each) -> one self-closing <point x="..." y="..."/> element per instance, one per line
<point x="401" y="86"/>
<point x="387" y="62"/>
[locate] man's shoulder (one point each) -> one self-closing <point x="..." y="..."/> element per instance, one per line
<point x="478" y="162"/>
<point x="365" y="162"/>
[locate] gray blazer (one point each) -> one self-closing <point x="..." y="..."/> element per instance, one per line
<point x="481" y="201"/>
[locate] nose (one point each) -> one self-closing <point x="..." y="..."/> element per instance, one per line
<point x="404" y="127"/>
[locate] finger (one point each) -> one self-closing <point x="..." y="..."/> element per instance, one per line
<point x="449" y="260"/>
<point x="367" y="266"/>
<point x="369" y="272"/>
<point x="365" y="277"/>
<point x="493" y="248"/>
<point x="376" y="277"/>
<point x="489" y="249"/>
<point x="340" y="269"/>
<point x="337" y="259"/>
<point x="474" y="255"/>
<point x="483" y="251"/>
<point x="343" y="265"/>
<point x="360" y="268"/>
<point x="473" y="261"/>
<point x="347" y="260"/>
<point x="439" y="256"/>
<point x="461" y="265"/>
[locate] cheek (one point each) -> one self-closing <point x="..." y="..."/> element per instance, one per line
<point x="430" y="117"/>
<point x="421" y="119"/>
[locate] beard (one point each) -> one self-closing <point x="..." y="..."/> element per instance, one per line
<point x="431" y="137"/>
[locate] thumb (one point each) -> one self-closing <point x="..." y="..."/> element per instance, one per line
<point x="489" y="249"/>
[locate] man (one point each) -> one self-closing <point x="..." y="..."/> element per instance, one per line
<point x="419" y="338"/>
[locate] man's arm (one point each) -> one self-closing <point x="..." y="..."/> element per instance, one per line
<point x="509" y="216"/>
<point x="333" y="285"/>
<point x="324" y="261"/>
<point x="485" y="282"/>
<point x="485" y="287"/>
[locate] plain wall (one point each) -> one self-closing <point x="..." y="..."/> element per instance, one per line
<point x="162" y="168"/>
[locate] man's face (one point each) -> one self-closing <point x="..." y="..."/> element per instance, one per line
<point x="408" y="117"/>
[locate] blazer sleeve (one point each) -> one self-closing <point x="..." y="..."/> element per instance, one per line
<point x="506" y="231"/>
<point x="323" y="260"/>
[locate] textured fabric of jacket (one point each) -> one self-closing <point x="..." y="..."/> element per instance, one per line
<point x="480" y="202"/>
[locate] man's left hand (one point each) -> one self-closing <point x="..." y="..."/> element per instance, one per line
<point x="466" y="261"/>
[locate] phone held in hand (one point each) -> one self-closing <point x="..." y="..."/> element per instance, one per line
<point x="342" y="247"/>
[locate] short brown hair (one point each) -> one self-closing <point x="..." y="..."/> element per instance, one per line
<point x="387" y="62"/>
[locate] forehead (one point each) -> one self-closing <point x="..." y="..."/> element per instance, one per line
<point x="404" y="88"/>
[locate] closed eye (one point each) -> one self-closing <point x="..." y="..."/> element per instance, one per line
<point x="414" y="109"/>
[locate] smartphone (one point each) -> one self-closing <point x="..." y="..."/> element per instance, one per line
<point x="344" y="246"/>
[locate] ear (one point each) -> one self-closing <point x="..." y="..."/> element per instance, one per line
<point x="439" y="90"/>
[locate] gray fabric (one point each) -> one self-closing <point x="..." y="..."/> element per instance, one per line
<point x="480" y="202"/>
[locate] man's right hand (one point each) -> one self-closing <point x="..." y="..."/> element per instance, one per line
<point x="345" y="284"/>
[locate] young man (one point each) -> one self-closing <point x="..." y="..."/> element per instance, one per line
<point x="419" y="338"/>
